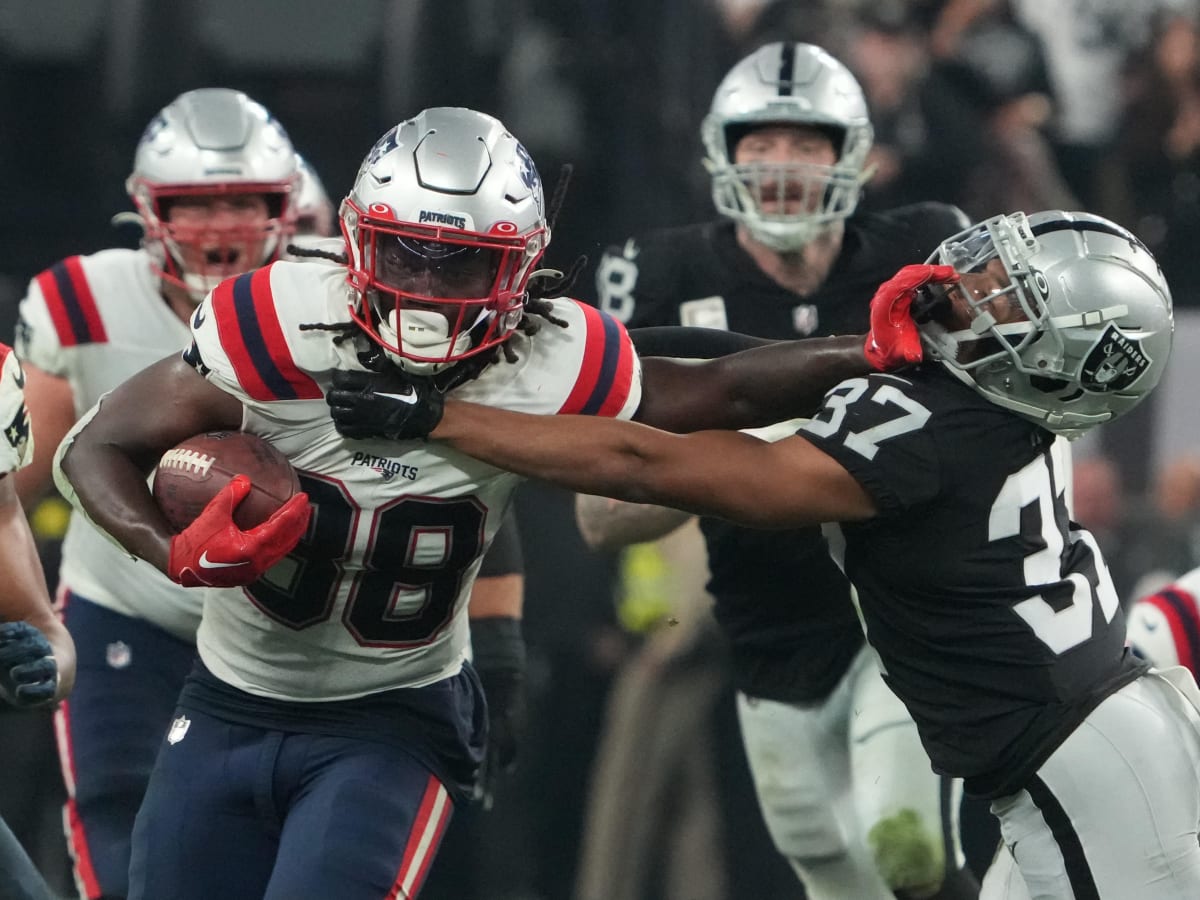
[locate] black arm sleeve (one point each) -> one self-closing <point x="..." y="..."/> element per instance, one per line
<point x="504" y="556"/>
<point x="683" y="342"/>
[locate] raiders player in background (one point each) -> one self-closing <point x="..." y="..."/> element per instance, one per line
<point x="37" y="656"/>
<point x="842" y="780"/>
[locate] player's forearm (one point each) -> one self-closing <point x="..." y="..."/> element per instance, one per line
<point x="789" y="380"/>
<point x="762" y="386"/>
<point x="616" y="460"/>
<point x="608" y="524"/>
<point x="112" y="490"/>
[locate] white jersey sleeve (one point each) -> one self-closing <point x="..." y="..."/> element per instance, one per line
<point x="16" y="442"/>
<point x="587" y="368"/>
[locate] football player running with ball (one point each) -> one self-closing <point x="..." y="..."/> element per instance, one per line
<point x="843" y="782"/>
<point x="334" y="721"/>
<point x="994" y="616"/>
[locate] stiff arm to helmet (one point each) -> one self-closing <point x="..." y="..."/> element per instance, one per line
<point x="1097" y="319"/>
<point x="788" y="83"/>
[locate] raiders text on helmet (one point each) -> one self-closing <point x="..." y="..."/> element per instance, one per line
<point x="787" y="84"/>
<point x="444" y="224"/>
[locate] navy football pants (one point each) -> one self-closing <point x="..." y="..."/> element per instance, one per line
<point x="244" y="813"/>
<point x="109" y="730"/>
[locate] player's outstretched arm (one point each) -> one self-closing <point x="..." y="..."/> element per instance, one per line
<point x="726" y="474"/>
<point x="752" y="388"/>
<point x="31" y="636"/>
<point x="786" y="380"/>
<point x="108" y="456"/>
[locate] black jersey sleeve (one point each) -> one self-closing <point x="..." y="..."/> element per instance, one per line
<point x="504" y="556"/>
<point x="691" y="343"/>
<point x="879" y="431"/>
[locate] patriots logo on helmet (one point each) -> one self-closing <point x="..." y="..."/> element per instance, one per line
<point x="1114" y="363"/>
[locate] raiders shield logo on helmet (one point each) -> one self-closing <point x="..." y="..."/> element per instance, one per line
<point x="1114" y="363"/>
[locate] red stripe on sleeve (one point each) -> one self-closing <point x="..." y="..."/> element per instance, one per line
<point x="224" y="309"/>
<point x="589" y="367"/>
<point x="1183" y="647"/>
<point x="58" y="309"/>
<point x="622" y="382"/>
<point x="272" y="332"/>
<point x="87" y="302"/>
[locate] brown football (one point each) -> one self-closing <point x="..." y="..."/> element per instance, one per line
<point x="191" y="473"/>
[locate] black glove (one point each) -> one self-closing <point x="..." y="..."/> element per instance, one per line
<point x="499" y="657"/>
<point x="388" y="405"/>
<point x="28" y="669"/>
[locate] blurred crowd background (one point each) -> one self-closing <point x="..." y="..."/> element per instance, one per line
<point x="994" y="105"/>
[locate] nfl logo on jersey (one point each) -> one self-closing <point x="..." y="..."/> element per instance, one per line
<point x="179" y="729"/>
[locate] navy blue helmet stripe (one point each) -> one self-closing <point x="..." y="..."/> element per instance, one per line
<point x="254" y="341"/>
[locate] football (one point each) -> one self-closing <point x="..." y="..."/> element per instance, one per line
<point x="190" y="474"/>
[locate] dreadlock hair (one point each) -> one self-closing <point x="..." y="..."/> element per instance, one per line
<point x="317" y="253"/>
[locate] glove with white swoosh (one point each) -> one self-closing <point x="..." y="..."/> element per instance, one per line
<point x="214" y="552"/>
<point x="388" y="404"/>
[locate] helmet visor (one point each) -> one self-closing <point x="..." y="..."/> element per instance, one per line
<point x="435" y="269"/>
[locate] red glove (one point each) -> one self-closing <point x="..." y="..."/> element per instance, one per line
<point x="894" y="339"/>
<point x="214" y="552"/>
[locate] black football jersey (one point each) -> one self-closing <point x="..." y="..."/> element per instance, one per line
<point x="993" y="615"/>
<point x="779" y="597"/>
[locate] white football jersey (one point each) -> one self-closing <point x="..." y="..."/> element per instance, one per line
<point x="16" y="443"/>
<point x="95" y="321"/>
<point x="1164" y="628"/>
<point x="374" y="597"/>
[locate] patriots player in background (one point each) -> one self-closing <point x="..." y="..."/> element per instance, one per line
<point x="333" y="675"/>
<point x="1164" y="627"/>
<point x="37" y="656"/>
<point x="994" y="616"/>
<point x="214" y="183"/>
<point x="842" y="780"/>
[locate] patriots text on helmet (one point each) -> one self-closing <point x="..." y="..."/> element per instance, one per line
<point x="440" y="218"/>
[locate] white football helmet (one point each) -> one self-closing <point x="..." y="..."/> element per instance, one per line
<point x="213" y="142"/>
<point x="1097" y="326"/>
<point x="787" y="84"/>
<point x="444" y="224"/>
